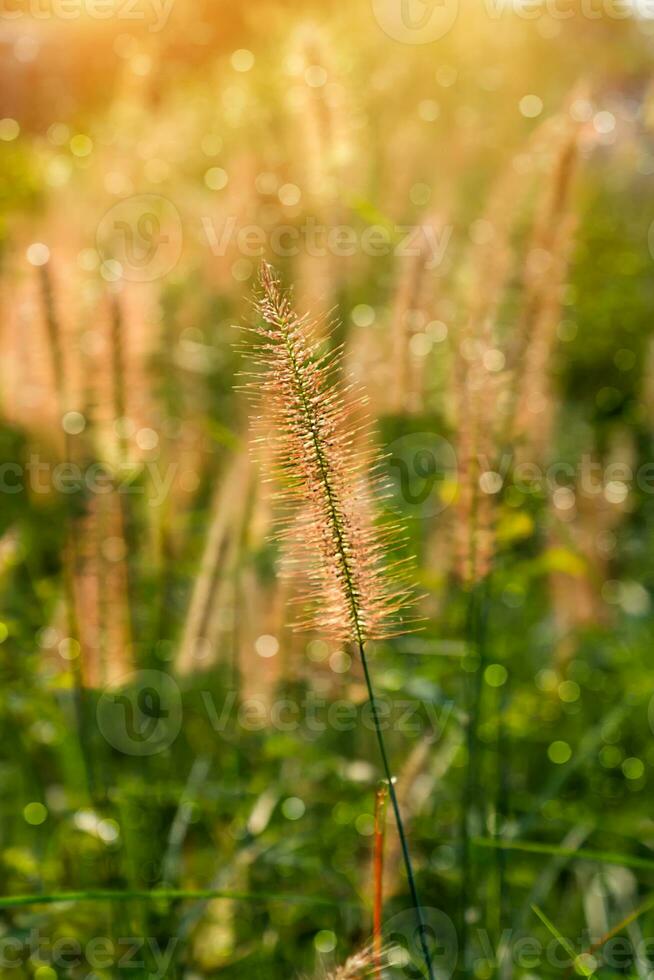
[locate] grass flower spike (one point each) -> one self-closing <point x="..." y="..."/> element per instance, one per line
<point x="335" y="551"/>
<point x="363" y="963"/>
<point x="350" y="589"/>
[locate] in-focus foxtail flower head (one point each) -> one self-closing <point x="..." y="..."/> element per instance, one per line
<point x="364" y="963"/>
<point x="350" y="583"/>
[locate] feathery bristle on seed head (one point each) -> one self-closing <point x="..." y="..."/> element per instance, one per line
<point x="362" y="964"/>
<point x="335" y="551"/>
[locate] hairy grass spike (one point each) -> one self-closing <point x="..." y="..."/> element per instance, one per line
<point x="361" y="964"/>
<point x="353" y="591"/>
<point x="335" y="551"/>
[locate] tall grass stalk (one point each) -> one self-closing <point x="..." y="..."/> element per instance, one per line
<point x="475" y="643"/>
<point x="69" y="557"/>
<point x="119" y="411"/>
<point x="348" y="585"/>
<point x="378" y="874"/>
<point x="398" y="817"/>
<point x="502" y="803"/>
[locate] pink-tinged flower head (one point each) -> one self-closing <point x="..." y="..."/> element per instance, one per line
<point x="337" y="554"/>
